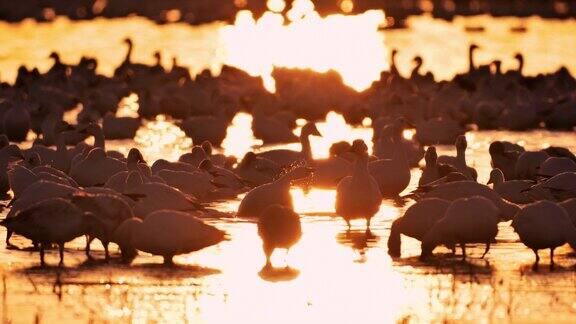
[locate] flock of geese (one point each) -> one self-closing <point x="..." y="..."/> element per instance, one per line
<point x="63" y="188"/>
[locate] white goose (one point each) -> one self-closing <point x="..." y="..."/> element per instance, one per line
<point x="467" y="220"/>
<point x="392" y="175"/>
<point x="284" y="157"/>
<point x="416" y="222"/>
<point x="559" y="188"/>
<point x="544" y="225"/>
<point x="555" y="165"/>
<point x="51" y="221"/>
<point x="280" y="228"/>
<point x="511" y="190"/>
<point x="96" y="168"/>
<point x="166" y="233"/>
<point x="358" y="195"/>
<point x="153" y="196"/>
<point x="109" y="210"/>
<point x="529" y="163"/>
<point x="275" y="193"/>
<point x="464" y="189"/>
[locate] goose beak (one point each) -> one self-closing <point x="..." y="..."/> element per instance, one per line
<point x="490" y="182"/>
<point x="316" y="132"/>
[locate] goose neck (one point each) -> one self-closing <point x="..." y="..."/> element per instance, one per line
<point x="306" y="147"/>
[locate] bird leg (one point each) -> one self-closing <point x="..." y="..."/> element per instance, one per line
<point x="535" y="266"/>
<point x="61" y="251"/>
<point x="368" y="224"/>
<point x="268" y="252"/>
<point x="463" y="246"/>
<point x="106" y="252"/>
<point x="168" y="260"/>
<point x="486" y="250"/>
<point x="8" y="235"/>
<point x="89" y="240"/>
<point x="552" y="259"/>
<point x="42" y="263"/>
<point x="349" y="225"/>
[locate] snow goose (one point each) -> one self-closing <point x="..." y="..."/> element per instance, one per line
<point x="271" y="130"/>
<point x="528" y="164"/>
<point x="96" y="168"/>
<point x="416" y="222"/>
<point x="392" y="175"/>
<point x="464" y="189"/>
<point x="162" y="164"/>
<point x="153" y="196"/>
<point x="284" y="157"/>
<point x="197" y="184"/>
<point x="109" y="210"/>
<point x="358" y="195"/>
<point x="51" y="221"/>
<point x="221" y="177"/>
<point x="511" y="190"/>
<point x="194" y="158"/>
<point x="559" y="188"/>
<point x="467" y="220"/>
<point x="275" y="193"/>
<point x="256" y="171"/>
<point x="556" y="165"/>
<point x="544" y="225"/>
<point x="166" y="233"/>
<point x="459" y="161"/>
<point x="279" y="228"/>
<point x="503" y="158"/>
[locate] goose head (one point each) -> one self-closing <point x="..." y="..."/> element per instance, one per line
<point x="461" y="143"/>
<point x="496" y="148"/>
<point x="135" y="156"/>
<point x="34" y="160"/>
<point x="123" y="237"/>
<point x="55" y="57"/>
<point x="496" y="177"/>
<point x="158" y="58"/>
<point x="207" y="147"/>
<point x="340" y="148"/>
<point x="310" y="129"/>
<point x="431" y="156"/>
<point x="206" y="165"/>
<point x="13" y="151"/>
<point x="4" y="141"/>
<point x="359" y="147"/>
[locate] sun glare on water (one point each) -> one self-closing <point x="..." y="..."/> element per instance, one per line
<point x="351" y="45"/>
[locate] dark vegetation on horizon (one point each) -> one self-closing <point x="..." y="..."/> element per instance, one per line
<point x="203" y="11"/>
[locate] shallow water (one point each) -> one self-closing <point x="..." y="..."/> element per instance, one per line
<point x="333" y="276"/>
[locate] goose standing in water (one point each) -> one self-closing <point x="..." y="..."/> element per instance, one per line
<point x="109" y="210"/>
<point x="51" y="221"/>
<point x="392" y="175"/>
<point x="544" y="225"/>
<point x="512" y="190"/>
<point x="467" y="220"/>
<point x="459" y="161"/>
<point x="358" y="195"/>
<point x="284" y="157"/>
<point x="166" y="233"/>
<point x="558" y="188"/>
<point x="416" y="222"/>
<point x="275" y="193"/>
<point x="280" y="228"/>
